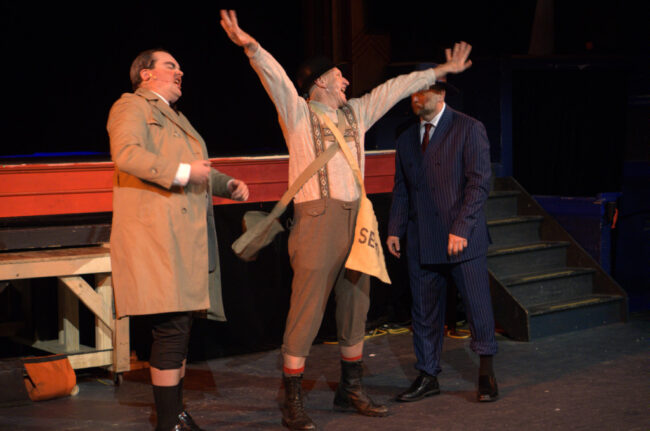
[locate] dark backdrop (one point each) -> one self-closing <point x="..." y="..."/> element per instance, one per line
<point x="65" y="63"/>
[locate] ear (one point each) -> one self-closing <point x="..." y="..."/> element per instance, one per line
<point x="145" y="74"/>
<point x="320" y="82"/>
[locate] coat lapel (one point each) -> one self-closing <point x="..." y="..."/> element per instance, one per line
<point x="410" y="144"/>
<point x="178" y="119"/>
<point x="412" y="150"/>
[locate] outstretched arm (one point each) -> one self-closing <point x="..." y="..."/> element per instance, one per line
<point x="373" y="105"/>
<point x="290" y="106"/>
<point x="236" y="34"/>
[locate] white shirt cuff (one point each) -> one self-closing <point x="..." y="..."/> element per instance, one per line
<point x="182" y="175"/>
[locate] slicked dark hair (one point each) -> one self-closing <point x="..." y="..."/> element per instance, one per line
<point x="144" y="60"/>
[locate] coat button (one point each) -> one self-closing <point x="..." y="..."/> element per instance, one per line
<point x="154" y="170"/>
<point x="183" y="210"/>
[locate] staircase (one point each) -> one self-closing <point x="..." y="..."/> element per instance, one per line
<point x="542" y="282"/>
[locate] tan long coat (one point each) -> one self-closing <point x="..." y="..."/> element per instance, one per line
<point x="162" y="239"/>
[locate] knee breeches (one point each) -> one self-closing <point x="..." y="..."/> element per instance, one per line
<point x="171" y="336"/>
<point x="319" y="245"/>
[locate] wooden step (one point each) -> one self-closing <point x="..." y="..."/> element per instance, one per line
<point x="501" y="204"/>
<point x="514" y="230"/>
<point x="519" y="259"/>
<point x="550" y="286"/>
<point x="579" y="313"/>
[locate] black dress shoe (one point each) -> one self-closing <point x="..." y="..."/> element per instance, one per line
<point x="186" y="423"/>
<point x="423" y="386"/>
<point x="487" y="389"/>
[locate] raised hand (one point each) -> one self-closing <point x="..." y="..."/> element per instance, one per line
<point x="231" y="27"/>
<point x="457" y="59"/>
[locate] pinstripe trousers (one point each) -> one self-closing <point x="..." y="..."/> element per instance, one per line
<point x="429" y="291"/>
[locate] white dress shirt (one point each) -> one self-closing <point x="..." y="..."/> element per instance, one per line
<point x="433" y="122"/>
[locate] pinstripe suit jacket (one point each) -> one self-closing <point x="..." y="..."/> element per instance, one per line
<point x="442" y="191"/>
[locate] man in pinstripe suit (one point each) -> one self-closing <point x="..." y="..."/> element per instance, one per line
<point x="442" y="177"/>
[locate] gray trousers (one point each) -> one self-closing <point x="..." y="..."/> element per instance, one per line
<point x="319" y="244"/>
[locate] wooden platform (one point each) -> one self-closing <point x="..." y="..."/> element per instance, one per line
<point x="68" y="265"/>
<point x="80" y="188"/>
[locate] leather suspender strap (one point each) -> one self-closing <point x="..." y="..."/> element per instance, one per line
<point x="309" y="171"/>
<point x="344" y="148"/>
<point x="260" y="227"/>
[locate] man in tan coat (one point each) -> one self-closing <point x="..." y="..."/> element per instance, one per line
<point x="163" y="242"/>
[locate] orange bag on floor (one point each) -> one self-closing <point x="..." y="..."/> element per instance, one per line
<point x="49" y="377"/>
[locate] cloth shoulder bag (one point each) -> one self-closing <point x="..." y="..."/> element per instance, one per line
<point x="261" y="227"/>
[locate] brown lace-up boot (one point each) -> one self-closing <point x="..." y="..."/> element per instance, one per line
<point x="293" y="413"/>
<point x="350" y="394"/>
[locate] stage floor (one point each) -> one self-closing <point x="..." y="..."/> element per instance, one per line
<point x="594" y="379"/>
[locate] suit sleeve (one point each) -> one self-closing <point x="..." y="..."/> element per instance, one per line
<point x="131" y="147"/>
<point x="477" y="171"/>
<point x="219" y="183"/>
<point x="400" y="205"/>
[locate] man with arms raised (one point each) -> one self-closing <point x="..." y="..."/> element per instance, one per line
<point x="325" y="209"/>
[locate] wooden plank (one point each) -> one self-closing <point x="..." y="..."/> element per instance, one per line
<point x="76" y="188"/>
<point x="104" y="332"/>
<point x="53" y="346"/>
<point x="83" y="357"/>
<point x="23" y="238"/>
<point x="38" y="189"/>
<point x="93" y="359"/>
<point x="55" y="262"/>
<point x="90" y="298"/>
<point x="68" y="319"/>
<point x="121" y="346"/>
